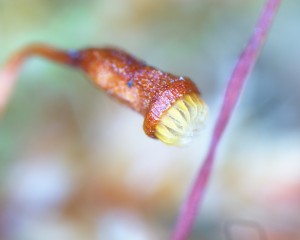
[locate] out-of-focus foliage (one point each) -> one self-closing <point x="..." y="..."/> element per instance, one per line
<point x="75" y="164"/>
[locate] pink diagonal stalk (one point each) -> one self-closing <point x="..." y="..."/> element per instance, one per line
<point x="232" y="94"/>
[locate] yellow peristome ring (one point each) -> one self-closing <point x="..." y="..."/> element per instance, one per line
<point x="182" y="121"/>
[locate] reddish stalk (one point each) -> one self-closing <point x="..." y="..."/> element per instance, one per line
<point x="232" y="93"/>
<point x="10" y="71"/>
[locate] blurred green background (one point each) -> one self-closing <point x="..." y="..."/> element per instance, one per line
<point x="75" y="164"/>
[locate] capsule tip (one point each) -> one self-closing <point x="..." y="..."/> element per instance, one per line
<point x="182" y="121"/>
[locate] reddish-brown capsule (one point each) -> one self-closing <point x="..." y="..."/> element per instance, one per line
<point x="171" y="105"/>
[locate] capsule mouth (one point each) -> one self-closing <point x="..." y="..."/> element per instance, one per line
<point x="182" y="121"/>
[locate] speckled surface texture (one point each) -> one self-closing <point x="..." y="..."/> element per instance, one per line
<point x="147" y="90"/>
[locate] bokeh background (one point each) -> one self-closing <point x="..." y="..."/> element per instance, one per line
<point x="75" y="164"/>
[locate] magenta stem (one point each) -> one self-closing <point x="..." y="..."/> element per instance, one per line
<point x="233" y="91"/>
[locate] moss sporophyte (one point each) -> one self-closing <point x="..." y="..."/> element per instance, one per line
<point x="172" y="105"/>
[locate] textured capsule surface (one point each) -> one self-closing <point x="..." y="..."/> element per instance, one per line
<point x="172" y="106"/>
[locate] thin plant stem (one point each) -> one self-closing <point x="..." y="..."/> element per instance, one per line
<point x="11" y="70"/>
<point x="233" y="91"/>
